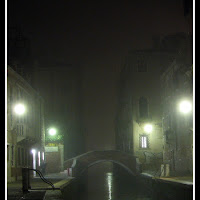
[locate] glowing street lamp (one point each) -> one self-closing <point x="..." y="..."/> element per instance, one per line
<point x="33" y="151"/>
<point x="148" y="128"/>
<point x="52" y="131"/>
<point x="185" y="106"/>
<point x="19" y="109"/>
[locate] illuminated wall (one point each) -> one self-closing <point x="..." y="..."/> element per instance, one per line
<point x="23" y="132"/>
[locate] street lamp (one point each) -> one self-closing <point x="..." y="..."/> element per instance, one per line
<point x="19" y="109"/>
<point x="185" y="106"/>
<point x="52" y="131"/>
<point x="54" y="135"/>
<point x="148" y="128"/>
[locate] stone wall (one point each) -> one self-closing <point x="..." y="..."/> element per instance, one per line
<point x="178" y="127"/>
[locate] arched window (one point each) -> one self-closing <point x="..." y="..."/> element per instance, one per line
<point x="143" y="107"/>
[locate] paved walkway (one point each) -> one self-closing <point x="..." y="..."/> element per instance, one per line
<point x="187" y="180"/>
<point x="38" y="188"/>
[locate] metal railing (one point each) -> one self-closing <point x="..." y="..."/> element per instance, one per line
<point x="26" y="180"/>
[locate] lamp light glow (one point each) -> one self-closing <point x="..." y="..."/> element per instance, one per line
<point x="19" y="109"/>
<point x="33" y="151"/>
<point x="52" y="131"/>
<point x="185" y="107"/>
<point x="42" y="155"/>
<point x="38" y="158"/>
<point x="148" y="128"/>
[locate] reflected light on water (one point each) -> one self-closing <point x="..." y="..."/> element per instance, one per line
<point x="109" y="181"/>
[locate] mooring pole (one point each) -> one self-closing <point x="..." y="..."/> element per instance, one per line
<point x="25" y="180"/>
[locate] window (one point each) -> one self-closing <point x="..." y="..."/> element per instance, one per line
<point x="19" y="156"/>
<point x="20" y="130"/>
<point x="25" y="156"/>
<point x="143" y="107"/>
<point x="38" y="158"/>
<point x="144" y="142"/>
<point x="12" y="155"/>
<point x="22" y="156"/>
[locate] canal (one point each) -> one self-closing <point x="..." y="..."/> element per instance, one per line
<point x="106" y="181"/>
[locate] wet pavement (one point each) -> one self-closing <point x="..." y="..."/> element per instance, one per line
<point x="14" y="189"/>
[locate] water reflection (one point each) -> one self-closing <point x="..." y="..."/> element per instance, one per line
<point x="109" y="180"/>
<point x="104" y="182"/>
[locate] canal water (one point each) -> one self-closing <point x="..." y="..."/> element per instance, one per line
<point x="106" y="181"/>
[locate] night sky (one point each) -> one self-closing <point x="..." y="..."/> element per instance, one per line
<point x="97" y="35"/>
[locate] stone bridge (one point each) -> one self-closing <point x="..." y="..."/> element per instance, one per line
<point x="82" y="162"/>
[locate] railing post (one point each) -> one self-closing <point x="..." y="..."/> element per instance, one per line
<point x="29" y="184"/>
<point x="25" y="180"/>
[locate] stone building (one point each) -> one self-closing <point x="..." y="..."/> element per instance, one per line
<point x="60" y="85"/>
<point x="177" y="86"/>
<point x="140" y="100"/>
<point x="25" y="133"/>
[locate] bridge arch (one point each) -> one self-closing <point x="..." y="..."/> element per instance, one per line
<point x="113" y="161"/>
<point x="82" y="162"/>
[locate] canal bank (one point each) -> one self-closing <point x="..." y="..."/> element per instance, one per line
<point x="156" y="188"/>
<point x="39" y="189"/>
<point x="171" y="188"/>
<point x="105" y="184"/>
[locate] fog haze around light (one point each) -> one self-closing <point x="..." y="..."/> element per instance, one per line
<point x="19" y="109"/>
<point x="52" y="131"/>
<point x="185" y="107"/>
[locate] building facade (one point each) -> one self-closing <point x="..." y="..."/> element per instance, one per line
<point x="25" y="133"/>
<point x="177" y="86"/>
<point x="140" y="105"/>
<point x="140" y="101"/>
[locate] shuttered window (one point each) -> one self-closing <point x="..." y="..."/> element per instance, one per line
<point x="144" y="141"/>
